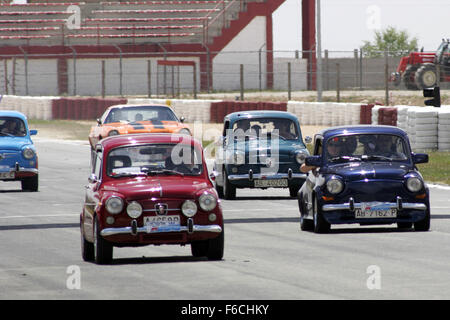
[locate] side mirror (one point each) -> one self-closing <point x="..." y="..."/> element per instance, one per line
<point x="420" y="158"/>
<point x="313" y="161"/>
<point x="308" y="139"/>
<point x="212" y="176"/>
<point x="99" y="122"/>
<point x="33" y="132"/>
<point x="182" y="119"/>
<point x="93" y="178"/>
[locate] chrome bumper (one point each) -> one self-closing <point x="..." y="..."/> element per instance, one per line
<point x="351" y="205"/>
<point x="256" y="176"/>
<point x="129" y="230"/>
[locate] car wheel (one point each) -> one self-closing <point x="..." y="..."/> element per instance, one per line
<point x="305" y="224"/>
<point x="424" y="224"/>
<point x="30" y="184"/>
<point x="219" y="190"/>
<point x="320" y="224"/>
<point x="293" y="191"/>
<point x="103" y="251"/>
<point x="404" y="225"/>
<point x="87" y="248"/>
<point x="216" y="247"/>
<point x="199" y="248"/>
<point x="229" y="191"/>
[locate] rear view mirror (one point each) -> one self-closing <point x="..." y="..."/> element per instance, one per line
<point x="313" y="161"/>
<point x="420" y="158"/>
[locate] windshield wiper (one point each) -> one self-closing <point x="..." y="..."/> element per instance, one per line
<point x="164" y="171"/>
<point x="126" y="174"/>
<point x="344" y="159"/>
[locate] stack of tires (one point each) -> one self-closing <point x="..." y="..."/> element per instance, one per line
<point x="402" y="117"/>
<point x="444" y="129"/>
<point x="422" y="128"/>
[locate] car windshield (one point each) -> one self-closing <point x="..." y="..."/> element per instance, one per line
<point x="155" y="159"/>
<point x="140" y="113"/>
<point x="366" y="147"/>
<point x="12" y="127"/>
<point x="265" y="127"/>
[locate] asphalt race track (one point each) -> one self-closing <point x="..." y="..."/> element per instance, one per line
<point x="266" y="254"/>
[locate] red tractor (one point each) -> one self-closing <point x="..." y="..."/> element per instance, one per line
<point x="418" y="70"/>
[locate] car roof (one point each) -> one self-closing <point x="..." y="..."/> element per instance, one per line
<point x="248" y="114"/>
<point x="13" y="113"/>
<point x="147" y="138"/>
<point x="138" y="105"/>
<point x="361" y="129"/>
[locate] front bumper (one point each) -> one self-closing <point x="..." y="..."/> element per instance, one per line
<point x="18" y="173"/>
<point x="345" y="213"/>
<point x="133" y="230"/>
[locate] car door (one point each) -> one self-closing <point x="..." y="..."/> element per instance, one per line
<point x="92" y="197"/>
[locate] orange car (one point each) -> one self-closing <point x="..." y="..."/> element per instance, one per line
<point x="126" y="119"/>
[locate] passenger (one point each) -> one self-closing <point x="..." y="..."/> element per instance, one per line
<point x="10" y="128"/>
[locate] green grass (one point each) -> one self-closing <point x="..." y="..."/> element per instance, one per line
<point x="437" y="170"/>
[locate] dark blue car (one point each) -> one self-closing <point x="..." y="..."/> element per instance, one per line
<point x="365" y="175"/>
<point x="260" y="149"/>
<point x="18" y="157"/>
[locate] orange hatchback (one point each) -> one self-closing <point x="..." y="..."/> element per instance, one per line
<point x="128" y="119"/>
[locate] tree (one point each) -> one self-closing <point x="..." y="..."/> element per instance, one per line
<point x="397" y="43"/>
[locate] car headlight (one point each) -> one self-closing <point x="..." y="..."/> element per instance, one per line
<point x="189" y="208"/>
<point x="238" y="158"/>
<point x="335" y="185"/>
<point x="414" y="184"/>
<point x="113" y="133"/>
<point x="300" y="157"/>
<point x="134" y="210"/>
<point x="28" y="153"/>
<point x="207" y="202"/>
<point x="185" y="131"/>
<point x="114" y="205"/>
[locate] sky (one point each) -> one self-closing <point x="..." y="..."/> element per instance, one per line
<point x="347" y="23"/>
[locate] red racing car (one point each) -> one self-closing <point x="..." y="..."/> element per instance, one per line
<point x="150" y="189"/>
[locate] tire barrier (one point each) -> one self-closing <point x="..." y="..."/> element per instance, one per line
<point x="31" y="107"/>
<point x="325" y="113"/>
<point x="444" y="128"/>
<point x="387" y="116"/>
<point x="82" y="108"/>
<point x="219" y="109"/>
<point x="365" y="116"/>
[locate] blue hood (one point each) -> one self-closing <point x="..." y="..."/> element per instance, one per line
<point x="14" y="143"/>
<point x="355" y="171"/>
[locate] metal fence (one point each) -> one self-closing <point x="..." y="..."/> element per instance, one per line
<point x="143" y="74"/>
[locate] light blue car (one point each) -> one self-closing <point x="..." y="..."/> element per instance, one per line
<point x="18" y="157"/>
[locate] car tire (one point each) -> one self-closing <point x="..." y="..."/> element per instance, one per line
<point x="199" y="248"/>
<point x="319" y="222"/>
<point x="229" y="191"/>
<point x="305" y="224"/>
<point x="404" y="225"/>
<point x="408" y="77"/>
<point x="293" y="191"/>
<point x="30" y="184"/>
<point x="424" y="224"/>
<point x="103" y="250"/>
<point x="216" y="247"/>
<point x="87" y="248"/>
<point x="219" y="190"/>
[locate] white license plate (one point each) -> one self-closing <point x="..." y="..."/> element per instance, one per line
<point x="7" y="175"/>
<point x="375" y="210"/>
<point x="162" y="223"/>
<point x="271" y="183"/>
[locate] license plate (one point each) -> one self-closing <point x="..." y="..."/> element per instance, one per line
<point x="7" y="175"/>
<point x="375" y="210"/>
<point x="271" y="183"/>
<point x="162" y="223"/>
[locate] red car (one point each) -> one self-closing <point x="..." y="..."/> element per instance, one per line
<point x="150" y="189"/>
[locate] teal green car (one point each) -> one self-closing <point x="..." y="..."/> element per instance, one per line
<point x="259" y="149"/>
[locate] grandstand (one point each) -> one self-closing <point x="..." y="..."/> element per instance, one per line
<point x="187" y="29"/>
